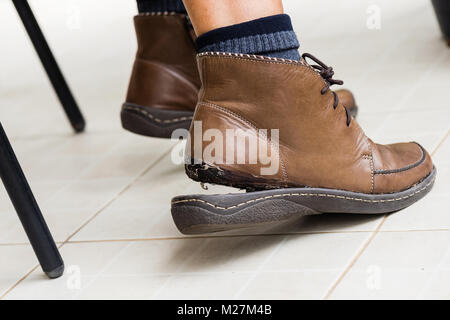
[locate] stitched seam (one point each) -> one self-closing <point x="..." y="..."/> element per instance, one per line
<point x="371" y="164"/>
<point x="153" y="118"/>
<point x="158" y="13"/>
<point x="262" y="59"/>
<point x="302" y="195"/>
<point x="253" y="56"/>
<point x="212" y="105"/>
<point x="370" y="158"/>
<point x="409" y="167"/>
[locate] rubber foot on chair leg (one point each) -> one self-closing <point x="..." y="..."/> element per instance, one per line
<point x="55" y="273"/>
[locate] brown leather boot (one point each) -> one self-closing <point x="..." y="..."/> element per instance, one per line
<point x="324" y="162"/>
<point x="164" y="84"/>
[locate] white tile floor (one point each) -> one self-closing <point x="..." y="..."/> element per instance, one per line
<point x="106" y="193"/>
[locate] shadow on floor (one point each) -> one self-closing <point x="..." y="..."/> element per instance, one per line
<point x="224" y="248"/>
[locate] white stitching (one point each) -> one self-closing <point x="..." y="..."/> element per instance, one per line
<point x="152" y="117"/>
<point x="302" y="195"/>
<point x="253" y="56"/>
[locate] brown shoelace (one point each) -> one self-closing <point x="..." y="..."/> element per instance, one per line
<point x="327" y="73"/>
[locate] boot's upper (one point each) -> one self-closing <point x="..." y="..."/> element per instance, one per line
<point x="348" y="100"/>
<point x="320" y="145"/>
<point x="165" y="72"/>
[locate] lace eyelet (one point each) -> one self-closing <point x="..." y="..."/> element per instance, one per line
<point x="327" y="73"/>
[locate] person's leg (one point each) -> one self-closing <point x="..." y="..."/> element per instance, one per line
<point x="204" y="13"/>
<point x="251" y="27"/>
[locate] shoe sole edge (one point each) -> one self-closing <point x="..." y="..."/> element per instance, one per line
<point x="195" y="214"/>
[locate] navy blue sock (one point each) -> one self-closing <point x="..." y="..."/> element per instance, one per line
<point x="271" y="36"/>
<point x="161" y="6"/>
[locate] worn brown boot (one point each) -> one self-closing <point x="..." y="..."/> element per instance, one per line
<point x="320" y="159"/>
<point x="164" y="84"/>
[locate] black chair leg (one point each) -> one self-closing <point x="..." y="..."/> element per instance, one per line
<point x="28" y="210"/>
<point x="51" y="67"/>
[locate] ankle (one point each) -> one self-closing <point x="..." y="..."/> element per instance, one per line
<point x="270" y="36"/>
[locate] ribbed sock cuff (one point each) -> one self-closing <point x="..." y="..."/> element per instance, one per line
<point x="161" y="6"/>
<point x="272" y="36"/>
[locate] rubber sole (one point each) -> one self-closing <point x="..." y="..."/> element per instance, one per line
<point x="154" y="122"/>
<point x="196" y="214"/>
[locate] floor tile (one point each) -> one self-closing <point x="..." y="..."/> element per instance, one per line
<point x="430" y="213"/>
<point x="83" y="263"/>
<point x="89" y="194"/>
<point x="442" y="154"/>
<point x="15" y="262"/>
<point x="299" y="272"/>
<point x="398" y="265"/>
<point x="212" y="286"/>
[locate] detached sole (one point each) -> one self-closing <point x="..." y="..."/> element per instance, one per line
<point x="154" y="122"/>
<point x="196" y="214"/>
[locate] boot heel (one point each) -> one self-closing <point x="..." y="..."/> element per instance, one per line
<point x="153" y="122"/>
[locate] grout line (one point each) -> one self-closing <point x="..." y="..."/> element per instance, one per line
<point x="366" y="244"/>
<point x="18" y="282"/>
<point x="228" y="236"/>
<point x="114" y="259"/>
<point x="398" y="106"/>
<point x="248" y="235"/>
<point x="116" y="197"/>
<point x="178" y="270"/>
<point x="60" y="135"/>
<point x="440" y="143"/>
<point x="260" y="268"/>
<point x="354" y="259"/>
<point x="210" y="237"/>
<point x="93" y="217"/>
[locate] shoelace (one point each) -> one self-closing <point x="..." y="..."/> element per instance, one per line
<point x="327" y="73"/>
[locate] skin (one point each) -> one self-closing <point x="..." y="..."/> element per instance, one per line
<point x="207" y="15"/>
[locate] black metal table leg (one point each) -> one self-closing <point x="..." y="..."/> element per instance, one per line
<point x="51" y="67"/>
<point x="442" y="9"/>
<point x="28" y="210"/>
